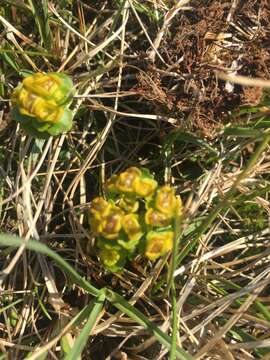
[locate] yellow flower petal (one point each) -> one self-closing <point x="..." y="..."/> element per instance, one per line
<point x="100" y="207"/>
<point x="111" y="225"/>
<point x="167" y="203"/>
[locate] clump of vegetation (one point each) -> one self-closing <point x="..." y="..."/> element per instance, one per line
<point x="41" y="104"/>
<point x="137" y="217"/>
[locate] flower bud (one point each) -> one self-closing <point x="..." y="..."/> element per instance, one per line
<point x="132" y="227"/>
<point x="126" y="179"/>
<point x="156" y="219"/>
<point x="144" y="187"/>
<point x="158" y="243"/>
<point x="110" y="185"/>
<point x="109" y="257"/>
<point x="167" y="203"/>
<point x="129" y="204"/>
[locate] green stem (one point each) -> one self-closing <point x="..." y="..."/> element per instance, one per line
<point x="173" y="353"/>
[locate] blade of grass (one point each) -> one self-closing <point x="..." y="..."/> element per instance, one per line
<point x="173" y="352"/>
<point x="14" y="241"/>
<point x="171" y="286"/>
<point x="28" y="52"/>
<point x="40" y="12"/>
<point x="59" y="332"/>
<point x="81" y="341"/>
<point x="185" y="137"/>
<point x="10" y="305"/>
<point x="242" y="132"/>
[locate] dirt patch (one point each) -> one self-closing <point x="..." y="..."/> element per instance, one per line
<point x="210" y="37"/>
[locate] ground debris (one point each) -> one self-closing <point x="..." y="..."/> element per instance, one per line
<point x="209" y="37"/>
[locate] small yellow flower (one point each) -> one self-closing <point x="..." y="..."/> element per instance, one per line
<point x="144" y="187"/>
<point x="109" y="257"/>
<point x="132" y="227"/>
<point x="167" y="203"/>
<point x="112" y="223"/>
<point x="158" y="244"/>
<point x="129" y="204"/>
<point x="105" y="218"/>
<point x="156" y="218"/>
<point x="100" y="208"/>
<point x="126" y="179"/>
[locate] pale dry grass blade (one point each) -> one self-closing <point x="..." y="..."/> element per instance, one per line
<point x="180" y="5"/>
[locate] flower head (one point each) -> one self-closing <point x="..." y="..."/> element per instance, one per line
<point x="158" y="243"/>
<point x="126" y="180"/>
<point x="105" y="218"/>
<point x="100" y="207"/>
<point x="112" y="224"/>
<point x="139" y="217"/>
<point x="145" y="186"/>
<point x="156" y="218"/>
<point x="167" y="203"/>
<point x="40" y="103"/>
<point x="132" y="227"/>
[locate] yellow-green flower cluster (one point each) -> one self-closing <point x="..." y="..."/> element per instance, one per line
<point x="137" y="217"/>
<point x="40" y="104"/>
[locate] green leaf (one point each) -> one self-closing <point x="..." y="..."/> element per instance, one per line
<point x="242" y="132"/>
<point x="180" y="136"/>
<point x="41" y="129"/>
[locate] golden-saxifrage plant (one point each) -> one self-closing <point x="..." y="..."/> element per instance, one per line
<point x="137" y="217"/>
<point x="40" y="104"/>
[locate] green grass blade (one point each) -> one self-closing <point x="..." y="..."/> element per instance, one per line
<point x="8" y="240"/>
<point x="181" y="136"/>
<point x="40" y="12"/>
<point x="10" y="305"/>
<point x="242" y="132"/>
<point x="173" y="352"/>
<point x="81" y="341"/>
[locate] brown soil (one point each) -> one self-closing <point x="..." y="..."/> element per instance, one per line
<point x="199" y="42"/>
